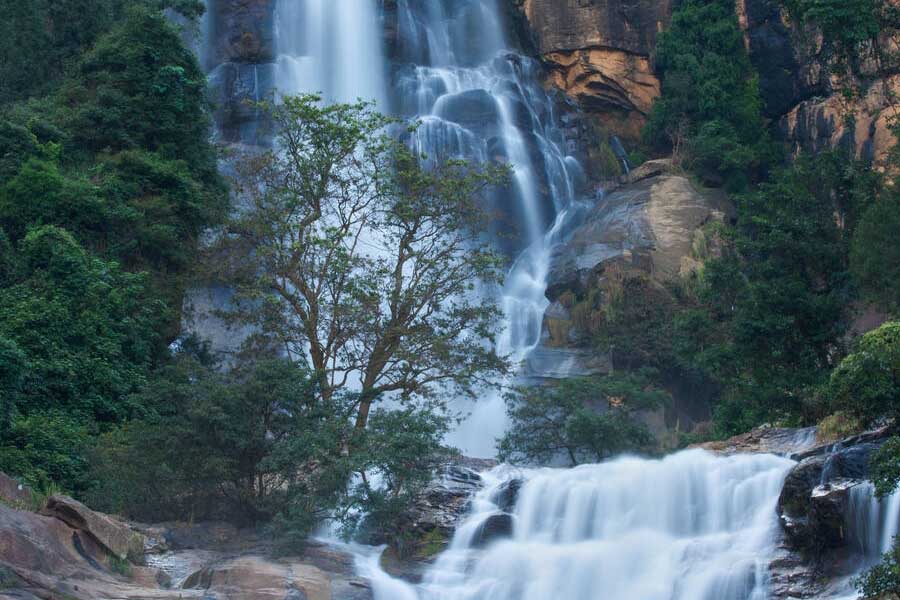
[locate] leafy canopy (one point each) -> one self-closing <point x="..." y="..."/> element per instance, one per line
<point x="580" y="420"/>
<point x="353" y="255"/>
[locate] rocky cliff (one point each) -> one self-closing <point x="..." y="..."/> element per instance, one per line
<point x="600" y="53"/>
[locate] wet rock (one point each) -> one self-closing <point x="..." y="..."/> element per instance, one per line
<point x="495" y="527"/>
<point x="508" y="495"/>
<point x="114" y="536"/>
<point x="243" y="30"/>
<point x="765" y="439"/>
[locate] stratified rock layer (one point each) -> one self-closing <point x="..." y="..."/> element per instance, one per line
<point x="599" y="54"/>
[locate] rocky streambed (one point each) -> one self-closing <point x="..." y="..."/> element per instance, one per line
<point x="830" y="526"/>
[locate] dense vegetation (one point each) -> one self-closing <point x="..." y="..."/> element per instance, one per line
<point x="107" y="180"/>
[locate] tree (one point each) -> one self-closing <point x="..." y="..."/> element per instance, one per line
<point x="237" y="444"/>
<point x="774" y="308"/>
<point x="856" y="35"/>
<point x="353" y="256"/>
<point x="40" y="39"/>
<point x="400" y="451"/>
<point x="80" y="335"/>
<point x="882" y="580"/>
<point x="710" y="111"/>
<point x="867" y="382"/>
<point x="875" y="253"/>
<point x="582" y="420"/>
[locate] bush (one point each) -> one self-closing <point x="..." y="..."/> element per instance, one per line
<point x="875" y="254"/>
<point x="580" y="420"/>
<point x="709" y="113"/>
<point x="867" y="382"/>
<point x="882" y="579"/>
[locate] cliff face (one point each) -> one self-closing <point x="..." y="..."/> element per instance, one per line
<point x="241" y="65"/>
<point x="599" y="53"/>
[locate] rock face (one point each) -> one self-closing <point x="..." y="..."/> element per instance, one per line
<point x="649" y="223"/>
<point x="73" y="553"/>
<point x="241" y="55"/>
<point x="116" y="537"/>
<point x="598" y="52"/>
<point x="863" y="127"/>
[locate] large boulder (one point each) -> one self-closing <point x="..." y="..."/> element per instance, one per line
<point x="256" y="578"/>
<point x="649" y="224"/>
<point x="116" y="537"/>
<point x="497" y="526"/>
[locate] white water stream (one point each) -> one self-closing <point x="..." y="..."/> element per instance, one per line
<point x="478" y="100"/>
<point x="692" y="526"/>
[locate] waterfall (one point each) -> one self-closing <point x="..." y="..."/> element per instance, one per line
<point x="478" y="100"/>
<point x="692" y="526"/>
<point x="332" y="47"/>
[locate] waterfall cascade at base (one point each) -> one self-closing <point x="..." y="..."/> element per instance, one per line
<point x="692" y="526"/>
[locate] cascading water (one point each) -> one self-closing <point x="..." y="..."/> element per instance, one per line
<point x="332" y="47"/>
<point x="692" y="526"/>
<point x="477" y="100"/>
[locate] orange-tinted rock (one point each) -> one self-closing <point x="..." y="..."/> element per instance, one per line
<point x="599" y="53"/>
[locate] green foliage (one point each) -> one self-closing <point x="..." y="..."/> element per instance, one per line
<point x="884" y="468"/>
<point x="581" y="420"/>
<point x="875" y="253"/>
<point x="86" y="328"/>
<point x="105" y="186"/>
<point x="398" y="454"/>
<point x="867" y="381"/>
<point x="215" y="445"/>
<point x="257" y="444"/>
<point x="855" y="34"/>
<point x="709" y="113"/>
<point x="773" y="309"/>
<point x="375" y="282"/>
<point x="884" y="578"/>
<point x="46" y="449"/>
<point x="41" y="39"/>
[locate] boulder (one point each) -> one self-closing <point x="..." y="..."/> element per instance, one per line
<point x="116" y="537"/>
<point x="648" y="224"/>
<point x="255" y="578"/>
<point x="508" y="495"/>
<point x="766" y="440"/>
<point x="495" y="527"/>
